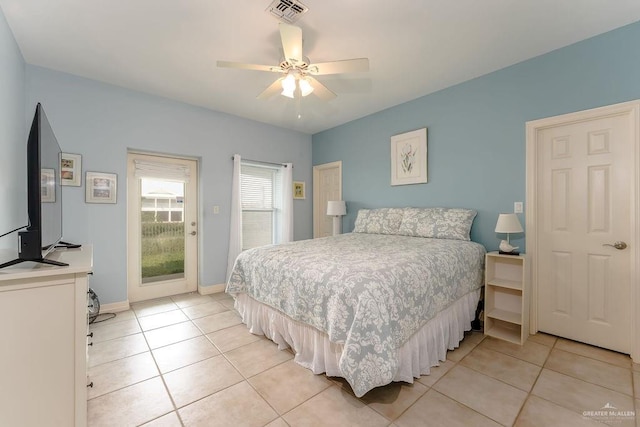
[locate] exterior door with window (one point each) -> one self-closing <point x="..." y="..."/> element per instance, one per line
<point x="162" y="238"/>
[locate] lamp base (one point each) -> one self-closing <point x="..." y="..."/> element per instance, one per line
<point x="337" y="225"/>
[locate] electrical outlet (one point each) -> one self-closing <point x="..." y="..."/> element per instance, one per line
<point x="517" y="207"/>
<point x="216" y="210"/>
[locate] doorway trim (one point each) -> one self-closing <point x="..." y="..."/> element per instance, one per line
<point x="317" y="209"/>
<point x="533" y="128"/>
<point x="192" y="272"/>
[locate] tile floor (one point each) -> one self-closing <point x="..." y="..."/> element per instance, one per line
<point x="189" y="361"/>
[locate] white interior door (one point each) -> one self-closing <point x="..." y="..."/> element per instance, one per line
<point x="327" y="185"/>
<point x="585" y="203"/>
<point x="162" y="232"/>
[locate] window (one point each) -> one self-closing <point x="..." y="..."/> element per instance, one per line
<point x="261" y="202"/>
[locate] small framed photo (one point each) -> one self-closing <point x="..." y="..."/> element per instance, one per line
<point x="409" y="158"/>
<point x="101" y="187"/>
<point x="298" y="190"/>
<point x="70" y="169"/>
<point x="47" y="185"/>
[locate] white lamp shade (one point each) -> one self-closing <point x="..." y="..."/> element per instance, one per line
<point x="508" y="223"/>
<point x="336" y="208"/>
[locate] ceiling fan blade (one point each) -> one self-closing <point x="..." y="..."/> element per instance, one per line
<point x="337" y="67"/>
<point x="291" y="43"/>
<point x="320" y="90"/>
<point x="243" y="66"/>
<point x="273" y="89"/>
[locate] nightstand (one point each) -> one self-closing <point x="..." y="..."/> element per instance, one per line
<point x="506" y="297"/>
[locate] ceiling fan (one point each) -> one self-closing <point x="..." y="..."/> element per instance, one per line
<point x="297" y="72"/>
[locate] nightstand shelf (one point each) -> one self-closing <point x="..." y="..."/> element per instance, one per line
<point x="506" y="297"/>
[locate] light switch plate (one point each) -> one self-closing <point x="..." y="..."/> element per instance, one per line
<point x="517" y="207"/>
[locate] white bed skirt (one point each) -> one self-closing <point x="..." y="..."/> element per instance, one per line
<point x="313" y="350"/>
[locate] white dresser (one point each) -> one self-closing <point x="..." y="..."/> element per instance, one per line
<point x="43" y="340"/>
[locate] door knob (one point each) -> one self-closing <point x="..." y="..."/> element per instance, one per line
<point x="193" y="233"/>
<point x="618" y="245"/>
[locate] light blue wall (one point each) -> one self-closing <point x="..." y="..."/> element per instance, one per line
<point x="13" y="137"/>
<point x="476" y="130"/>
<point x="101" y="122"/>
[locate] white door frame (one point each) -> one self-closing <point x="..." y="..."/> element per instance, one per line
<point x="191" y="279"/>
<point x="533" y="128"/>
<point x="317" y="209"/>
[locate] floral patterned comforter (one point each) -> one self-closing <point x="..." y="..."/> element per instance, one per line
<point x="369" y="292"/>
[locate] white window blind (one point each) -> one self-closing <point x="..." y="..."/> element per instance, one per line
<point x="258" y="184"/>
<point x="158" y="170"/>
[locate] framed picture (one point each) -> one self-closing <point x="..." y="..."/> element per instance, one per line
<point x="101" y="187"/>
<point x="409" y="158"/>
<point x="70" y="169"/>
<point x="298" y="190"/>
<point x="47" y="185"/>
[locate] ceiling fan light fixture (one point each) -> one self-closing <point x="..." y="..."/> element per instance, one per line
<point x="288" y="85"/>
<point x="305" y="87"/>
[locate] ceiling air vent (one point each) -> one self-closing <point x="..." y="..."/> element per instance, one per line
<point x="287" y="10"/>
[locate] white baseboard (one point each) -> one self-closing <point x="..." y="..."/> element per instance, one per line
<point x="115" y="307"/>
<point x="213" y="289"/>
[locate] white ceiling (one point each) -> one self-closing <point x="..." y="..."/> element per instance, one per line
<point x="415" y="47"/>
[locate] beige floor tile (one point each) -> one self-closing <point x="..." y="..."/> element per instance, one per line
<point x="220" y="295"/>
<point x="205" y="309"/>
<point x="436" y="373"/>
<point x="490" y="397"/>
<point x="503" y="367"/>
<point x="436" y="410"/>
<point x="577" y="395"/>
<point x="287" y="385"/>
<point x="169" y="420"/>
<point x="118" y="348"/>
<point x="474" y="336"/>
<point x="228" y="303"/>
<point x="542" y="338"/>
<point x="531" y="351"/>
<point x="539" y="412"/>
<point x="393" y="399"/>
<point x="105" y="331"/>
<point x="279" y="422"/>
<point x="190" y="299"/>
<point x="121" y="373"/>
<point x="155" y="306"/>
<point x="130" y="406"/>
<point x="257" y="357"/>
<point x="171" y="334"/>
<point x="238" y="405"/>
<point x="591" y="370"/>
<point x="184" y="353"/>
<point x="465" y="348"/>
<point x="155" y="321"/>
<point x="598" y="353"/>
<point x="121" y="316"/>
<point x="201" y="379"/>
<point x="233" y="337"/>
<point x="334" y="407"/>
<point x="216" y="322"/>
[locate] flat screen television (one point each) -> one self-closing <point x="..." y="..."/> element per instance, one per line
<point x="44" y="194"/>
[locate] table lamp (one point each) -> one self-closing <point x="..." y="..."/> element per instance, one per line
<point x="336" y="209"/>
<point x="508" y="223"/>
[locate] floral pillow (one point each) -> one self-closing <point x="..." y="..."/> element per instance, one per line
<point x="378" y="221"/>
<point x="439" y="223"/>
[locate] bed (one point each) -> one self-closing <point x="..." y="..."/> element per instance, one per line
<point x="380" y="304"/>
